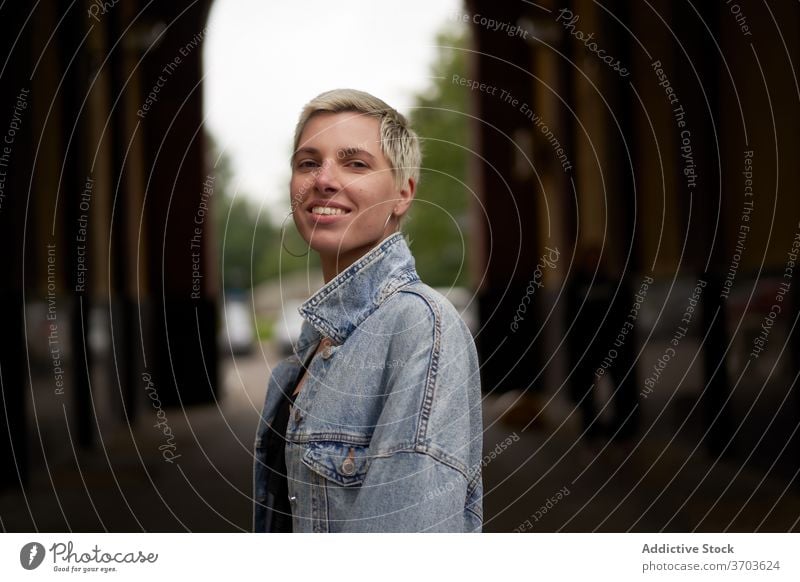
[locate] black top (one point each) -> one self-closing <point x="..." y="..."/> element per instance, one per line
<point x="279" y="514"/>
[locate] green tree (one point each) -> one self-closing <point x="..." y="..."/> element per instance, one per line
<point x="248" y="243"/>
<point x="438" y="223"/>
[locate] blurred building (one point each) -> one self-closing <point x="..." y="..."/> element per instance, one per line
<point x="664" y="134"/>
<point x="105" y="211"/>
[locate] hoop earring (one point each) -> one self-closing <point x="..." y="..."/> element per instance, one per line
<point x="388" y="218"/>
<point x="283" y="234"/>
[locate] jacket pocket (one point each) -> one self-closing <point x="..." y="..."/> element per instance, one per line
<point x="342" y="463"/>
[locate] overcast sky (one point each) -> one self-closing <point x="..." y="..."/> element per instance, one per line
<point x="265" y="60"/>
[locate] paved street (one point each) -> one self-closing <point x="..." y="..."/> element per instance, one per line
<point x="544" y="478"/>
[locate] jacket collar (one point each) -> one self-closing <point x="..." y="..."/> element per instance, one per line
<point x="351" y="296"/>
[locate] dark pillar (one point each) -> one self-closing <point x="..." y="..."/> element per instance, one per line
<point x="126" y="170"/>
<point x="626" y="220"/>
<point x="703" y="206"/>
<point x="179" y="194"/>
<point x="76" y="188"/>
<point x="509" y="240"/>
<point x="15" y="172"/>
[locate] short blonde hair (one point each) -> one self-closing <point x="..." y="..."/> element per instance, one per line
<point x="399" y="143"/>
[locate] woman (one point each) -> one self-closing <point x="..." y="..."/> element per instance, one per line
<point x="375" y="423"/>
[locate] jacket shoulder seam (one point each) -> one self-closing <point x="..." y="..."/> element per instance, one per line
<point x="433" y="366"/>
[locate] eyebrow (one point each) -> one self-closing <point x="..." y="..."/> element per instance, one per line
<point x="351" y="151"/>
<point x="344" y="152"/>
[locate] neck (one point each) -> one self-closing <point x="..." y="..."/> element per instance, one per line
<point x="334" y="264"/>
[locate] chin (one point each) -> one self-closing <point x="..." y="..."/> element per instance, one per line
<point x="327" y="243"/>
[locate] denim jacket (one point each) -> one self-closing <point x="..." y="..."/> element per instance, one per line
<point x="386" y="433"/>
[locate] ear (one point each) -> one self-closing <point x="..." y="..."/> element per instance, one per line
<point x="406" y="196"/>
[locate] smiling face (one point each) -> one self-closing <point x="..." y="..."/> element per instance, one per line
<point x="343" y="188"/>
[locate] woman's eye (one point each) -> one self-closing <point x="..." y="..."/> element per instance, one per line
<point x="306" y="164"/>
<point x="358" y="164"/>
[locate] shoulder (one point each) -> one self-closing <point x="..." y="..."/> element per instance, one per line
<point x="421" y="299"/>
<point x="418" y="311"/>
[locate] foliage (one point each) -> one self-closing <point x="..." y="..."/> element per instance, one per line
<point x="249" y="244"/>
<point x="439" y="218"/>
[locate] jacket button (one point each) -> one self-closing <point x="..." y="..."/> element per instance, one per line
<point x="348" y="465"/>
<point x="293" y="499"/>
<point x="298" y="415"/>
<point x="326" y="348"/>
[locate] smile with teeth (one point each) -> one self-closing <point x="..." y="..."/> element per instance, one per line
<point x="327" y="210"/>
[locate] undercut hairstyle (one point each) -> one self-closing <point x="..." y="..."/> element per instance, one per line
<point x="399" y="143"/>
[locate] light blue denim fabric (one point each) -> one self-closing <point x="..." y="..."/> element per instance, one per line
<point x="386" y="434"/>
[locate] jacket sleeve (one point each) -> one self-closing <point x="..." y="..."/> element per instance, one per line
<point x="423" y="475"/>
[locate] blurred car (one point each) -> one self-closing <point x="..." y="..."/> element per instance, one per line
<point x="237" y="334"/>
<point x="287" y="327"/>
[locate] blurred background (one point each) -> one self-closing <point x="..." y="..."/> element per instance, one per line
<point x="606" y="198"/>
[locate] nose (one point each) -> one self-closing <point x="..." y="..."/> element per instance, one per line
<point x="327" y="180"/>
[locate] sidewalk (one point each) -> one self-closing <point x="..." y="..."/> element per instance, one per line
<point x="654" y="486"/>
